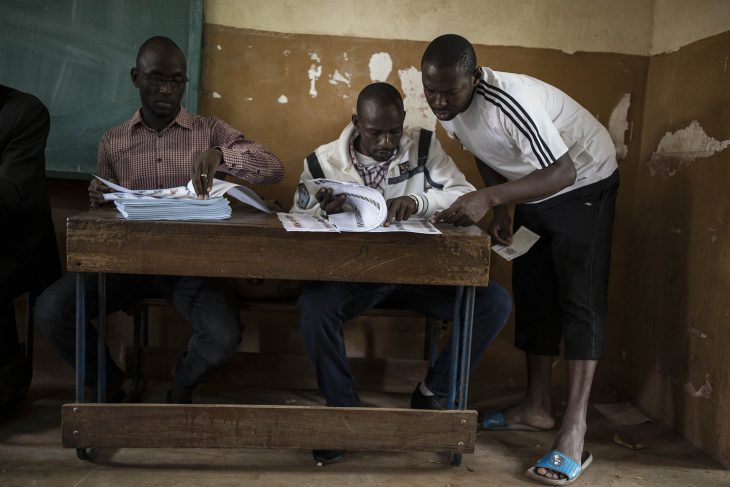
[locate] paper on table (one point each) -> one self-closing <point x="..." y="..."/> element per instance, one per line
<point x="522" y="240"/>
<point x="365" y="207"/>
<point x="241" y="193"/>
<point x="299" y="222"/>
<point x="220" y="187"/>
<point x="412" y="225"/>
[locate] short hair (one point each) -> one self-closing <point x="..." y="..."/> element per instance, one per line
<point x="383" y="94"/>
<point x="451" y="50"/>
<point x="157" y="41"/>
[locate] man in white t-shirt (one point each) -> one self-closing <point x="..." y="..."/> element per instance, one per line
<point x="538" y="149"/>
<point x="417" y="178"/>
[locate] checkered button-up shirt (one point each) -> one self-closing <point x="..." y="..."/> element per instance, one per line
<point x="374" y="175"/>
<point x="142" y="158"/>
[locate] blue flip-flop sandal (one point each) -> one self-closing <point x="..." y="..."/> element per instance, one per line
<point x="495" y="421"/>
<point x="558" y="461"/>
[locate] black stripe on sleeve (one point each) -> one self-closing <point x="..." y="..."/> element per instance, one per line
<point x="520" y="126"/>
<point x="551" y="158"/>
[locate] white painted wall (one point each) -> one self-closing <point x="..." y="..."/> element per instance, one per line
<point x="681" y="22"/>
<point x="640" y="27"/>
<point x="622" y="26"/>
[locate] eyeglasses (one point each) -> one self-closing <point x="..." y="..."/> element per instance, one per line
<point x="157" y="81"/>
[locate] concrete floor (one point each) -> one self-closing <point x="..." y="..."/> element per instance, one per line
<point x="31" y="453"/>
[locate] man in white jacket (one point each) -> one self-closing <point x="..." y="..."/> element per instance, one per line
<point x="417" y="178"/>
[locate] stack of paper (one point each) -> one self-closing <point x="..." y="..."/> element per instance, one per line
<point x="174" y="208"/>
<point x="180" y="203"/>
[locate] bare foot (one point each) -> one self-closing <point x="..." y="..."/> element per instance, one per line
<point x="531" y="415"/>
<point x="569" y="441"/>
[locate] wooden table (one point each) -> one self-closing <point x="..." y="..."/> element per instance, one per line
<point x="254" y="245"/>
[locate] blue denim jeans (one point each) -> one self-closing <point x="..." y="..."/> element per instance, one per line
<point x="325" y="306"/>
<point x="208" y="303"/>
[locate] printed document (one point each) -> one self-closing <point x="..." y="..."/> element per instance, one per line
<point x="522" y="240"/>
<point x="180" y="203"/>
<point x="364" y="210"/>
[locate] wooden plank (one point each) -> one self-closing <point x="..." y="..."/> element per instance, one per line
<point x="288" y="371"/>
<point x="256" y="246"/>
<point x="295" y="427"/>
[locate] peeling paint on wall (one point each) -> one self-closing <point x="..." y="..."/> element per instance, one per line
<point x="314" y="72"/>
<point x="314" y="57"/>
<point x="218" y="47"/>
<point x="337" y="77"/>
<point x="286" y="52"/>
<point x="704" y="392"/>
<point x="380" y="66"/>
<point x="618" y="125"/>
<point x="418" y="113"/>
<point x="216" y="95"/>
<point x="283" y="99"/>
<point x="678" y="149"/>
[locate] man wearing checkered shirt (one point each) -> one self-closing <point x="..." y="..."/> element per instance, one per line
<point x="163" y="145"/>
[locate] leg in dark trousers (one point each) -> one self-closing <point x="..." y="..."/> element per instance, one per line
<point x="55" y="316"/>
<point x="15" y="371"/>
<point x="492" y="306"/>
<point x="210" y="306"/>
<point x="323" y="308"/>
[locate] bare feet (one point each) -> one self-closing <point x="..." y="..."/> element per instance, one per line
<point x="570" y="441"/>
<point x="530" y="415"/>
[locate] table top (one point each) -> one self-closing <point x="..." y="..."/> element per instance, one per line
<point x="255" y="245"/>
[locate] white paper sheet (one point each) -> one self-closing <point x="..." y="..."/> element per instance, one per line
<point x="365" y="207"/>
<point x="298" y="222"/>
<point x="412" y="225"/>
<point x="180" y="203"/>
<point x="522" y="240"/>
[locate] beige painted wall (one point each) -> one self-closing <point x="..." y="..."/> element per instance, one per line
<point x="681" y="22"/>
<point x="619" y="26"/>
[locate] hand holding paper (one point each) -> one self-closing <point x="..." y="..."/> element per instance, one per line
<point x="522" y="241"/>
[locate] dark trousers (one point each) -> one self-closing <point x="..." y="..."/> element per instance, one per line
<point x="561" y="284"/>
<point x="14" y="281"/>
<point x="209" y="304"/>
<point x="325" y="306"/>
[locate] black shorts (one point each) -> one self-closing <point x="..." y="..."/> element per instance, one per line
<point x="560" y="286"/>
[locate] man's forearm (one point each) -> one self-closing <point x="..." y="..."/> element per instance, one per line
<point x="535" y="186"/>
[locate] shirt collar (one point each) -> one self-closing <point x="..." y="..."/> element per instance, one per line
<point x="356" y="163"/>
<point x="184" y="119"/>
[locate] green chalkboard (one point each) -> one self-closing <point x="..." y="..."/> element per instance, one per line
<point x="75" y="55"/>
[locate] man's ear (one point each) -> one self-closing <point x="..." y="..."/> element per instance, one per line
<point x="354" y="120"/>
<point x="134" y="74"/>
<point x="476" y="76"/>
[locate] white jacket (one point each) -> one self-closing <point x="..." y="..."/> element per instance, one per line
<point x="437" y="184"/>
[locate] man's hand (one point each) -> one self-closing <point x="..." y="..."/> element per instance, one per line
<point x="500" y="229"/>
<point x="467" y="210"/>
<point x="330" y="203"/>
<point x="400" y="208"/>
<point x="97" y="190"/>
<point x="203" y="171"/>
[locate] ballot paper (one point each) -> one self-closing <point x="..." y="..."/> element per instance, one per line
<point x="299" y="222"/>
<point x="364" y="210"/>
<point x="412" y="225"/>
<point x="364" y="207"/>
<point x="216" y="208"/>
<point x="180" y="203"/>
<point x="522" y="240"/>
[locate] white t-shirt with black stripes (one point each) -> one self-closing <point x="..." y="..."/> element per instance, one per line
<point x="517" y="124"/>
